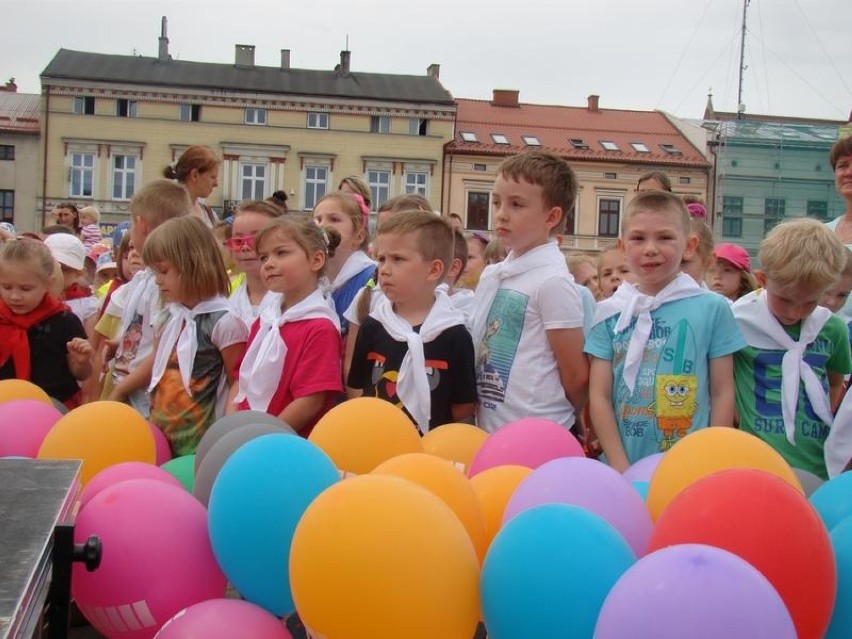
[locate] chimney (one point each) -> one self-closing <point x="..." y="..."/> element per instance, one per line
<point x="593" y="103"/>
<point x="505" y="98"/>
<point x="164" y="40"/>
<point x="434" y="71"/>
<point x="285" y="59"/>
<point x="244" y="55"/>
<point x="10" y="87"/>
<point x="345" y="57"/>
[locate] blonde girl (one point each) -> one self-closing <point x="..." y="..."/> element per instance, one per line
<point x="476" y="243"/>
<point x="292" y="363"/>
<point x="697" y="265"/>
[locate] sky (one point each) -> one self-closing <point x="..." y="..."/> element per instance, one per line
<point x="635" y="54"/>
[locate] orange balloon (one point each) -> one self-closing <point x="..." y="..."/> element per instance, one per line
<point x="707" y="451"/>
<point x="360" y="434"/>
<point x="457" y="443"/>
<point x="102" y="434"/>
<point x="494" y="488"/>
<point x="379" y="557"/>
<point x="11" y="389"/>
<point x="449" y="484"/>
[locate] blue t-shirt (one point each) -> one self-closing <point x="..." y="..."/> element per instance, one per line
<point x="343" y="296"/>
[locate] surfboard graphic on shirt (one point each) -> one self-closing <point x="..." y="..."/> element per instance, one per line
<point x="676" y="397"/>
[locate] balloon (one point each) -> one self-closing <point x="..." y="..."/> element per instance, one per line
<point x="833" y="500"/>
<point x="448" y="484"/>
<point x="24" y="423"/>
<point x="223" y="619"/>
<point x="123" y="472"/>
<point x="592" y="485"/>
<point x="230" y="423"/>
<point x="258" y="498"/>
<point x="841" y="620"/>
<point x="694" y="591"/>
<point x="527" y="442"/>
<point x="494" y="487"/>
<point x="156" y="558"/>
<point x="643" y="469"/>
<point x="380" y="557"/>
<point x="361" y="433"/>
<point x="705" y="451"/>
<point x="181" y="468"/>
<point x="770" y="524"/>
<point x="548" y="572"/>
<point x="161" y="445"/>
<point x="101" y="434"/>
<point x="641" y="488"/>
<point x="12" y="389"/>
<point x="457" y="443"/>
<point x="809" y="481"/>
<point x="216" y="457"/>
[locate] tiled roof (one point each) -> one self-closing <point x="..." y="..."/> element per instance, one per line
<point x="555" y="126"/>
<point x="78" y="65"/>
<point x="19" y="112"/>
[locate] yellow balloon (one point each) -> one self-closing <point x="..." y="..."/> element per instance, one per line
<point x="449" y="484"/>
<point x="360" y="434"/>
<point x="707" y="451"/>
<point x="457" y="443"/>
<point x="494" y="488"/>
<point x="102" y="434"/>
<point x="12" y="389"/>
<point x="379" y="557"/>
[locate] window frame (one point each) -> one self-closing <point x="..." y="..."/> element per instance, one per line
<point x="124" y="172"/>
<point x="380" y="124"/>
<point x="410" y="187"/>
<point x="471" y="222"/>
<point x="318" y="117"/>
<point x="732" y="216"/>
<point x="83" y="105"/>
<point x="83" y="170"/>
<point x="376" y="186"/>
<point x="606" y="230"/>
<point x="254" y="180"/>
<point x="671" y="149"/>
<point x="6" y="207"/>
<point x="531" y="140"/>
<point x="609" y="145"/>
<point x="500" y="138"/>
<point x="256" y="120"/>
<point x="579" y="143"/>
<point x="418" y="126"/>
<point x="774" y="210"/>
<point x="7" y="152"/>
<point x="468" y="136"/>
<point x="640" y="147"/>
<point x="317" y="188"/>
<point x="193" y="114"/>
<point x="130" y="110"/>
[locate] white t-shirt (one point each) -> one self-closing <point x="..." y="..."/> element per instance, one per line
<point x="84" y="307"/>
<point x="846" y="311"/>
<point x="242" y="307"/>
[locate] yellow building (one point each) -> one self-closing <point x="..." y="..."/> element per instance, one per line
<point x="19" y="150"/>
<point x="113" y="122"/>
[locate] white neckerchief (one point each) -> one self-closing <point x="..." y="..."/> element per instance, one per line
<point x="628" y="302"/>
<point x="761" y="330"/>
<point x="242" y="307"/>
<point x="138" y="286"/>
<point x="181" y="331"/>
<point x="263" y="363"/>
<point x="838" y="446"/>
<point x="353" y="265"/>
<point x="413" y="382"/>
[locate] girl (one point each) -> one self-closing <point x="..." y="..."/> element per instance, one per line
<point x="612" y="271"/>
<point x="697" y="265"/>
<point x="198" y="171"/>
<point x="70" y="253"/>
<point x="353" y="185"/>
<point x="476" y="243"/>
<point x="584" y="269"/>
<point x="40" y="339"/>
<point x="349" y="269"/>
<point x="730" y="275"/>
<point x="292" y="364"/>
<point x="200" y="342"/>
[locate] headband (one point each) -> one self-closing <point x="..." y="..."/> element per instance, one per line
<point x="365" y="210"/>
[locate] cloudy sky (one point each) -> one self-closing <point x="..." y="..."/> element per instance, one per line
<point x="636" y="54"/>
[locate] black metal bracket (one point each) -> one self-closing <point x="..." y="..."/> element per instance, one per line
<point x="65" y="553"/>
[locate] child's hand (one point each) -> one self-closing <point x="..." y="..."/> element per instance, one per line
<point x="79" y="350"/>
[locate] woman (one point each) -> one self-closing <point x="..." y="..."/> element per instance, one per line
<point x="198" y="171"/>
<point x="840" y="158"/>
<point x="67" y="214"/>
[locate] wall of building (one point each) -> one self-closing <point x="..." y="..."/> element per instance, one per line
<point x="21" y="175"/>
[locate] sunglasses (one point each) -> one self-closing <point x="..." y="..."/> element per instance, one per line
<point x="238" y="242"/>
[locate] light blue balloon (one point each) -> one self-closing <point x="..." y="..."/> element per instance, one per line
<point x="548" y="572"/>
<point x="833" y="500"/>
<point x="257" y="500"/>
<point x="841" y="619"/>
<point x="642" y="488"/>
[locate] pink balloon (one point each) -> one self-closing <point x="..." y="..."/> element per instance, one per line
<point x="157" y="559"/>
<point x="164" y="451"/>
<point x="527" y="442"/>
<point x="24" y="423"/>
<point x="224" y="619"/>
<point x="123" y="472"/>
<point x="644" y="468"/>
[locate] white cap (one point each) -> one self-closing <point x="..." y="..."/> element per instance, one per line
<point x="67" y="250"/>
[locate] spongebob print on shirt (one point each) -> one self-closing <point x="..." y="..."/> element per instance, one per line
<point x="503" y="330"/>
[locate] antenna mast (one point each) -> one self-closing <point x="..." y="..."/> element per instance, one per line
<point x="740" y="105"/>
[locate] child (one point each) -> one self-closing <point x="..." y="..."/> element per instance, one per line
<point x="106" y="270"/>
<point x="834" y="299"/>
<point x="200" y="342"/>
<point x="528" y="313"/>
<point x="90" y="230"/>
<point x="702" y="259"/>
<point x="790" y="376"/>
<point x="414" y="350"/>
<point x="70" y="253"/>
<point x="654" y="181"/>
<point x="495" y="252"/>
<point x="292" y="364"/>
<point x="584" y="269"/>
<point x="612" y="271"/>
<point x="355" y="185"/>
<point x="460" y="297"/>
<point x="476" y="243"/>
<point x="40" y="339"/>
<point x="222" y="233"/>
<point x="730" y="275"/>
<point x="661" y="348"/>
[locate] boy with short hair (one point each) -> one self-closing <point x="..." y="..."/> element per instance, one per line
<point x="527" y="312"/>
<point x="661" y="348"/>
<point x="413" y="349"/>
<point x="462" y="298"/>
<point x="790" y="375"/>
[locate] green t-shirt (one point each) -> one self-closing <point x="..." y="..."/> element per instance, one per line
<point x="757" y="373"/>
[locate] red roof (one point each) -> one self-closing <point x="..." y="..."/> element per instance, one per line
<point x="19" y="112"/>
<point x="555" y="126"/>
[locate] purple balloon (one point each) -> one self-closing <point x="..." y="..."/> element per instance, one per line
<point x="694" y="591"/>
<point x="644" y="468"/>
<point x="592" y="485"/>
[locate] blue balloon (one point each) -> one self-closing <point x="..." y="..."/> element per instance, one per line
<point x="833" y="500"/>
<point x="642" y="488"/>
<point x="841" y="619"/>
<point x="548" y="572"/>
<point x="257" y="500"/>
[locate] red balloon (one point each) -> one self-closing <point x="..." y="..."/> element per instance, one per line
<point x="770" y="524"/>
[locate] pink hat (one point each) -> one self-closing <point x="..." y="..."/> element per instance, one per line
<point x="734" y="254"/>
<point x="697" y="210"/>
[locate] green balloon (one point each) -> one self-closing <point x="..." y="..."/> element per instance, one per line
<point x="183" y="469"/>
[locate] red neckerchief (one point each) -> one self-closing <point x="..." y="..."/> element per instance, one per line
<point x="14" y="342"/>
<point x="75" y="292"/>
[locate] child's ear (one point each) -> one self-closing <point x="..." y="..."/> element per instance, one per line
<point x="691" y="246"/>
<point x="554" y="216"/>
<point x="760" y="276"/>
<point x="436" y="271"/>
<point x="317" y="261"/>
<point x="619" y="244"/>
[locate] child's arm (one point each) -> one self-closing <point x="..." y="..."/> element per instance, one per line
<point x="138" y="378"/>
<point x="567" y="347"/>
<point x="836" y="388"/>
<point x="230" y="356"/>
<point x="603" y="416"/>
<point x="463" y="413"/>
<point x="79" y="358"/>
<point x="231" y="403"/>
<point x="351" y="337"/>
<point x="302" y="410"/>
<point x="722" y="394"/>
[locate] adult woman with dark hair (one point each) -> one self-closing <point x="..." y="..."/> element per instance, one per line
<point x="197" y="170"/>
<point x="654" y="181"/>
<point x="840" y="158"/>
<point x="68" y="215"/>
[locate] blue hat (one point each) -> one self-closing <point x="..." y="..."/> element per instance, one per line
<point x="119" y="232"/>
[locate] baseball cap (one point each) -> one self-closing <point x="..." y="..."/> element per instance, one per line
<point x="67" y="250"/>
<point x="119" y="232"/>
<point x="734" y="254"/>
<point x="105" y="261"/>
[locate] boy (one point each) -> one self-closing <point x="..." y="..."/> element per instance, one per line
<point x="836" y="295"/>
<point x="790" y="376"/>
<point x="414" y="350"/>
<point x="527" y="312"/>
<point x="612" y="271"/>
<point x="661" y="348"/>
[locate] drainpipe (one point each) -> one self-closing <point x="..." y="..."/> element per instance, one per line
<point x="44" y="168"/>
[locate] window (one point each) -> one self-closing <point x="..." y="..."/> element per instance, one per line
<point x="123" y="176"/>
<point x="818" y="209"/>
<point x="684" y="180"/>
<point x="671" y="149"/>
<point x="477" y="210"/>
<point x="379" y="181"/>
<point x="7" y="151"/>
<point x="610" y="176"/>
<point x="7" y="206"/>
<point x="480" y="167"/>
<point x="82" y="175"/>
<point x="253" y="182"/>
<point x="190" y="112"/>
<point x="639" y="147"/>
<point x="125" y="108"/>
<point x="609" y="145"/>
<point x="255" y="116"/>
<point x="316" y="184"/>
<point x="84" y="105"/>
<point x="732" y="216"/>
<point x="530" y="140"/>
<point x="578" y="143"/>
<point x="418" y="126"/>
<point x="469" y="136"/>
<point x="380" y="124"/>
<point x="773" y="212"/>
<point x="609" y="210"/>
<point x="499" y="138"/>
<point x="417" y="182"/>
<point x="317" y="120"/>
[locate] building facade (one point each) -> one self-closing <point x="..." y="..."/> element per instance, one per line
<point x="19" y="153"/>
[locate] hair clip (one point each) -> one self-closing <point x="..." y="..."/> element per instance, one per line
<point x="325" y="239"/>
